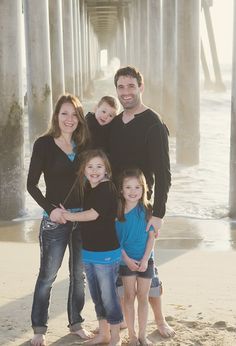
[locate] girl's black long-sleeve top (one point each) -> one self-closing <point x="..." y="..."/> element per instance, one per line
<point x="59" y="175"/>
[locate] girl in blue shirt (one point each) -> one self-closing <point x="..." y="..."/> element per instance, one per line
<point x="137" y="265"/>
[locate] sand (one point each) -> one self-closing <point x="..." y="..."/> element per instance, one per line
<point x="196" y="265"/>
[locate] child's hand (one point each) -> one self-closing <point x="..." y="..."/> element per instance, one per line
<point x="62" y="207"/>
<point x="57" y="216"/>
<point x="68" y="216"/>
<point x="132" y="264"/>
<point x="143" y="266"/>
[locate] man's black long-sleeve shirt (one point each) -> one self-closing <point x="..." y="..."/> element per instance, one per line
<point x="143" y="143"/>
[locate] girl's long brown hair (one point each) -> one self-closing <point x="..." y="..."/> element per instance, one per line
<point x="143" y="202"/>
<point x="81" y="135"/>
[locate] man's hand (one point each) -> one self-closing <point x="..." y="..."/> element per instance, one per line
<point x="156" y="222"/>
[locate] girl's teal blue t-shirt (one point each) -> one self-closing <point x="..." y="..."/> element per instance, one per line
<point x="132" y="233"/>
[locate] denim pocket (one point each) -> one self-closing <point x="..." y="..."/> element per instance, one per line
<point x="47" y="224"/>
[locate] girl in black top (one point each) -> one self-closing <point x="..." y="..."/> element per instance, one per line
<point x="55" y="155"/>
<point x="101" y="249"/>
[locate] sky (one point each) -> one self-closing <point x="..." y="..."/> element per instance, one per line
<point x="222" y="20"/>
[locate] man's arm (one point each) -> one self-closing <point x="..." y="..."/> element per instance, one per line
<point x="159" y="161"/>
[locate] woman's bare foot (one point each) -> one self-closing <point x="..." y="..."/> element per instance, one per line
<point x="99" y="339"/>
<point x="145" y="342"/>
<point x="83" y="334"/>
<point x="165" y="330"/>
<point x="38" y="340"/>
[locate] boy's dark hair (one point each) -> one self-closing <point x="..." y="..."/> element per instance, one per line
<point x="110" y="100"/>
<point x="128" y="71"/>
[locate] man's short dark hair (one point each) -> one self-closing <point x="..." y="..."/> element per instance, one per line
<point x="128" y="71"/>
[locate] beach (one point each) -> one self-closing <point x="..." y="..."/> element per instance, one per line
<point x="196" y="264"/>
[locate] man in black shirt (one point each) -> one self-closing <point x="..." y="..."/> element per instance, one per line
<point x="139" y="138"/>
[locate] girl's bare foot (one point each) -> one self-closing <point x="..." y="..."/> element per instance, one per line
<point x="99" y="339"/>
<point x="166" y="330"/>
<point x="145" y="342"/>
<point x="117" y="343"/>
<point x="133" y="342"/>
<point x="38" y="340"/>
<point x="96" y="330"/>
<point x="123" y="325"/>
<point x="83" y="334"/>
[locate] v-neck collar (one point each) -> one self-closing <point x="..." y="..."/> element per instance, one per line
<point x="135" y="117"/>
<point x="62" y="151"/>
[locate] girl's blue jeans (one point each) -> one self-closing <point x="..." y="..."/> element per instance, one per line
<point x="102" y="286"/>
<point x="54" y="239"/>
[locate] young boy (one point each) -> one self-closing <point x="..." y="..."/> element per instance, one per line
<point x="99" y="121"/>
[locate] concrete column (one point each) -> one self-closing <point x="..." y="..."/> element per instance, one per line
<point x="56" y="48"/>
<point x="80" y="52"/>
<point x="136" y="22"/>
<point x="86" y="51"/>
<point x="219" y="85"/>
<point x="207" y="82"/>
<point x="187" y="101"/>
<point x="153" y="84"/>
<point x="76" y="46"/>
<point x="122" y="37"/>
<point x="83" y="45"/>
<point x="129" y="35"/>
<point x="68" y="46"/>
<point x="90" y="87"/>
<point x="144" y="57"/>
<point x="94" y="53"/>
<point x="169" y="64"/>
<point x="232" y="181"/>
<point x="118" y="46"/>
<point x="38" y="62"/>
<point x="11" y="112"/>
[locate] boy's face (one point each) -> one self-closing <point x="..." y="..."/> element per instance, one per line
<point x="105" y="114"/>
